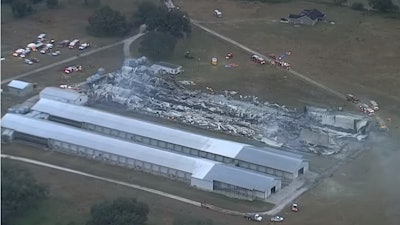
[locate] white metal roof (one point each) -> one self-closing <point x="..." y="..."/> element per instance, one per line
<point x="134" y="126"/>
<point x="42" y="128"/>
<point x="272" y="158"/>
<point x="60" y="93"/>
<point x="198" y="167"/>
<point x="18" y="84"/>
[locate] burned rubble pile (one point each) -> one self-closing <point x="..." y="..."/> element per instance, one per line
<point x="137" y="88"/>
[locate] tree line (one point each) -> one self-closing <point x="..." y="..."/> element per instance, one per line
<point x="165" y="27"/>
<point x="383" y="6"/>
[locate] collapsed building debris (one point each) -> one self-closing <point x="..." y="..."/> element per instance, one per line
<point x="138" y="89"/>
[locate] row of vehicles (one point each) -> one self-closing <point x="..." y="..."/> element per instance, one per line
<point x="43" y="46"/>
<point x="73" y="44"/>
<point x="71" y="69"/>
<point x="367" y="108"/>
<point x="258" y="218"/>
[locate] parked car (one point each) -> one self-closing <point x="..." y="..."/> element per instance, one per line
<point x="56" y="53"/>
<point x="41" y="37"/>
<point x="374" y="105"/>
<point x="352" y="98"/>
<point x="229" y="56"/>
<point x="253" y="217"/>
<point x="46" y="48"/>
<point x="72" y="69"/>
<point x="295" y="207"/>
<point x="63" y="43"/>
<point x="366" y="109"/>
<point x="84" y="46"/>
<point x="218" y="13"/>
<point x="277" y="219"/>
<point x="18" y="52"/>
<point x="25" y="52"/>
<point x="35" y="60"/>
<point x="28" y="61"/>
<point x="73" y="43"/>
<point x="258" y="59"/>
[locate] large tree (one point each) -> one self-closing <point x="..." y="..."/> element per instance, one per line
<point x="52" y="4"/>
<point x="19" y="191"/>
<point x="150" y="14"/>
<point x="106" y="22"/>
<point x="177" y="23"/>
<point x="157" y="45"/>
<point x="21" y="8"/>
<point x="122" y="211"/>
<point x="383" y="5"/>
<point x="158" y="18"/>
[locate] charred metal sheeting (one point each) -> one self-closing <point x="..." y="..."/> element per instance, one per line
<point x="136" y="88"/>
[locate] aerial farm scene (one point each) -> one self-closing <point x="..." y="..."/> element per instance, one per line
<point x="211" y="112"/>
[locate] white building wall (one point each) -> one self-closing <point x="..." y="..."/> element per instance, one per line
<point x="120" y="160"/>
<point x="262" y="195"/>
<point x="202" y="184"/>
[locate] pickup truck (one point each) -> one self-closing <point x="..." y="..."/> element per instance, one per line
<point x="253" y="217"/>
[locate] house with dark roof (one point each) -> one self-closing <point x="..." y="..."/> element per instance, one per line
<point x="307" y="17"/>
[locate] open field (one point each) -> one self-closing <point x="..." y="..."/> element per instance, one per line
<point x="58" y="24"/>
<point x="248" y="78"/>
<point x="357" y="54"/>
<point x="72" y="195"/>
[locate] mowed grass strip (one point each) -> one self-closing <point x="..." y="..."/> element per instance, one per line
<point x="71" y="197"/>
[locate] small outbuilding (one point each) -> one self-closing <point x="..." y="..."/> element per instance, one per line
<point x="64" y="95"/>
<point x="307" y="17"/>
<point x="20" y="88"/>
<point x="166" y="68"/>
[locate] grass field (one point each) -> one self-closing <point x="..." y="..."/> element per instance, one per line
<point x="71" y="195"/>
<point x="358" y="53"/>
<point x="265" y="81"/>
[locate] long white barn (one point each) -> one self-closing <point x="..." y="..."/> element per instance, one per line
<point x="202" y="173"/>
<point x="265" y="160"/>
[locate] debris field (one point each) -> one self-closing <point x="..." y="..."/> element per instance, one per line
<point x="137" y="88"/>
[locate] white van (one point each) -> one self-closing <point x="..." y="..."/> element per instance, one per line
<point x="374" y="105"/>
<point x="41" y="37"/>
<point x="73" y="43"/>
<point x="218" y="13"/>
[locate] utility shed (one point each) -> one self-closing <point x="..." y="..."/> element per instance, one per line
<point x="201" y="173"/>
<point x="64" y="95"/>
<point x="166" y="68"/>
<point x="20" y="88"/>
<point x="175" y="140"/>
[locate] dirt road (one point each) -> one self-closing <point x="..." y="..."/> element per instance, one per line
<point x="128" y="42"/>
